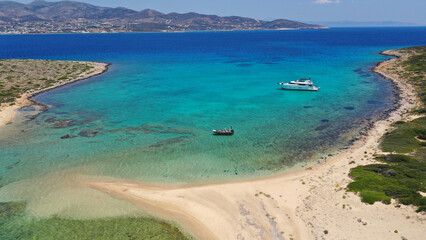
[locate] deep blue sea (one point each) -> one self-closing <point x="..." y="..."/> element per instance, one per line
<point x="164" y="93"/>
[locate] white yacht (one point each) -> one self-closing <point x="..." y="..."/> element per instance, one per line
<point x="304" y="84"/>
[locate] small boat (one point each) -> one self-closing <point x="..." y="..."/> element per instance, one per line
<point x="227" y="132"/>
<point x="304" y="84"/>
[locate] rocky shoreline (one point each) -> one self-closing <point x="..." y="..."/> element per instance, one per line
<point x="8" y="111"/>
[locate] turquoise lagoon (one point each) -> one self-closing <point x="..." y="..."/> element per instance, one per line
<point x="149" y="118"/>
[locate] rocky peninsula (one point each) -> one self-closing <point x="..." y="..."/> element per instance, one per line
<point x="20" y="79"/>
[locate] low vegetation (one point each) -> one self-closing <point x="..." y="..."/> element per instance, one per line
<point x="406" y="137"/>
<point x="18" y="76"/>
<point x="415" y="72"/>
<point x="401" y="175"/>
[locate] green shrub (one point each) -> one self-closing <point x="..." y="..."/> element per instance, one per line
<point x="403" y="138"/>
<point x="400" y="177"/>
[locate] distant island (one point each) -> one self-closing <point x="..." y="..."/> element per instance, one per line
<point x="41" y="17"/>
<point x="366" y="24"/>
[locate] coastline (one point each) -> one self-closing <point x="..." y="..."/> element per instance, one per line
<point x="235" y="30"/>
<point x="9" y="111"/>
<point x="306" y="203"/>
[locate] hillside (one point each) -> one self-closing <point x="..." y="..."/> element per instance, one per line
<point x="68" y="16"/>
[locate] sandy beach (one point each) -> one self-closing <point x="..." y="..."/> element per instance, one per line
<point x="306" y="203"/>
<point x="9" y="111"/>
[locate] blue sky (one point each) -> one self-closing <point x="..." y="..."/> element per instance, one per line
<point x="413" y="11"/>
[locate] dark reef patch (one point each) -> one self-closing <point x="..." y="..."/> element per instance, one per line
<point x="115" y="122"/>
<point x="322" y="127"/>
<point x="68" y="136"/>
<point x="245" y="65"/>
<point x="238" y="61"/>
<point x="349" y="108"/>
<point x="88" y="133"/>
<point x="167" y="142"/>
<point x="362" y="73"/>
<point x="50" y="120"/>
<point x="64" y="123"/>
<point x="11" y="166"/>
<point x="374" y="102"/>
<point x="28" y="109"/>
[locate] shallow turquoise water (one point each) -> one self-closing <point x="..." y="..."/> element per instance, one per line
<point x="155" y="118"/>
<point x="154" y="110"/>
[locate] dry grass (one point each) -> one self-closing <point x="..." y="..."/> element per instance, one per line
<point x="18" y="76"/>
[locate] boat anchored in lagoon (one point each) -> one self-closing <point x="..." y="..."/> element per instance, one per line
<point x="226" y="132"/>
<point x="304" y="84"/>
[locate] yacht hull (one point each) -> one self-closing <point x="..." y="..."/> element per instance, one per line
<point x="298" y="87"/>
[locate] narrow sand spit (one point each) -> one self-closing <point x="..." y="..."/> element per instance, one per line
<point x="8" y="112"/>
<point x="306" y="203"/>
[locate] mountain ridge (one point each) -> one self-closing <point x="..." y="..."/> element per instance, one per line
<point x="71" y="16"/>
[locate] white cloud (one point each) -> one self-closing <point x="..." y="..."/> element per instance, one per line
<point x="326" y="1"/>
